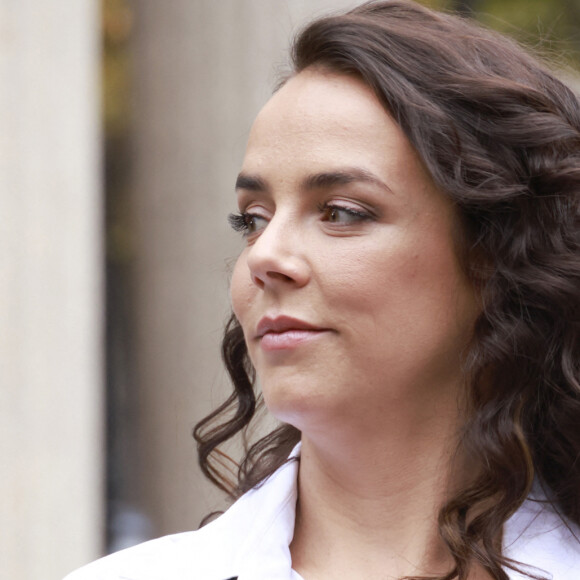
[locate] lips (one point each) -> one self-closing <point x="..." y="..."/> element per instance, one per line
<point x="285" y="332"/>
<point x="282" y="324"/>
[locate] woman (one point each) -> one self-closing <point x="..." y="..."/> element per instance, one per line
<point x="408" y="297"/>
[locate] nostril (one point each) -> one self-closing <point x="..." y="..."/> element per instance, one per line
<point x="270" y="275"/>
<point x="278" y="276"/>
<point x="258" y="281"/>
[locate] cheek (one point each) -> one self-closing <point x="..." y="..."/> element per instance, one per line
<point x="368" y="276"/>
<point x="407" y="283"/>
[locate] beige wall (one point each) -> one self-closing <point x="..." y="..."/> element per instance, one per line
<point x="50" y="295"/>
<point x="202" y="71"/>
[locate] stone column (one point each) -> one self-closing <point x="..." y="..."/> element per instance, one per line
<point x="50" y="288"/>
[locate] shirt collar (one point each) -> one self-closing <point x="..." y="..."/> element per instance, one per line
<point x="256" y="531"/>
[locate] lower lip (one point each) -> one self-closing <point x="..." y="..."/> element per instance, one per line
<point x="289" y="339"/>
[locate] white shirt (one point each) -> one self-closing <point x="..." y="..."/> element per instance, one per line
<point x="251" y="541"/>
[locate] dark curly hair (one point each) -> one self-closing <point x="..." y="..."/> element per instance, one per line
<point x="500" y="135"/>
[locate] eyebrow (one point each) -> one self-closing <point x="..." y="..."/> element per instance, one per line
<point x="250" y="183"/>
<point x="322" y="180"/>
<point x="329" y="179"/>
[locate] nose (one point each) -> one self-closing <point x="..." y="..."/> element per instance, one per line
<point x="277" y="257"/>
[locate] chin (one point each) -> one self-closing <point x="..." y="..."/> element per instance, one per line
<point x="287" y="405"/>
<point x="302" y="408"/>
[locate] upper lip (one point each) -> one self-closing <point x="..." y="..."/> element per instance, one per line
<point x="282" y="324"/>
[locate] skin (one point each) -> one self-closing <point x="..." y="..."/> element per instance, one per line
<point x="346" y="231"/>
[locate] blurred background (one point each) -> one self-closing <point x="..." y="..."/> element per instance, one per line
<point x="122" y="128"/>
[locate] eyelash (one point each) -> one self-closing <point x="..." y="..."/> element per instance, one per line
<point x="241" y="222"/>
<point x="358" y="215"/>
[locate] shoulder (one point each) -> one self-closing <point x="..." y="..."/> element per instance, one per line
<point x="205" y="553"/>
<point x="250" y="541"/>
<point x="174" y="557"/>
<point x="539" y="538"/>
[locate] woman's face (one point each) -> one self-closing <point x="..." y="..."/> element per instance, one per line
<point x="348" y="290"/>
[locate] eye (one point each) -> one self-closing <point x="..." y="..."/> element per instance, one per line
<point x="247" y="223"/>
<point x="338" y="214"/>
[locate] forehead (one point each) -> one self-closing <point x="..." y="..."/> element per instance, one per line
<point x="320" y="120"/>
<point x="316" y="95"/>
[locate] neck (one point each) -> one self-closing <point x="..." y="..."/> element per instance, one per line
<point x="368" y="505"/>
